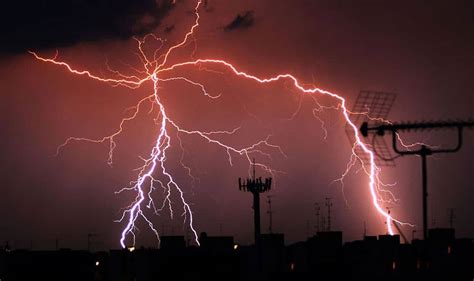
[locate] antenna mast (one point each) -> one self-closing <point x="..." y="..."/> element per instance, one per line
<point x="270" y="213"/>
<point x="255" y="186"/>
<point x="317" y="210"/>
<point x="424" y="151"/>
<point x="329" y="205"/>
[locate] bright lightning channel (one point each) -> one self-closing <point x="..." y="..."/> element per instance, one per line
<point x="154" y="69"/>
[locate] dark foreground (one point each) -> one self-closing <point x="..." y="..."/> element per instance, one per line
<point x="322" y="257"/>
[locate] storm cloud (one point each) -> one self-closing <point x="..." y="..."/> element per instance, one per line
<point x="55" y="23"/>
<point x="241" y="21"/>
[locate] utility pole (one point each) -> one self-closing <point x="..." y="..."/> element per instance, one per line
<point x="270" y="214"/>
<point x="328" y="206"/>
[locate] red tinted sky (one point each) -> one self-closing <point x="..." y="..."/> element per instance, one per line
<point x="422" y="51"/>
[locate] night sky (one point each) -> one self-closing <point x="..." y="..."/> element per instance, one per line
<point x="421" y="50"/>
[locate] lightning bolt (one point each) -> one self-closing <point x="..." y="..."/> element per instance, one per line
<point x="154" y="173"/>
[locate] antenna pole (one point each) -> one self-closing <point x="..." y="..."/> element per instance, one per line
<point x="270" y="213"/>
<point x="253" y="169"/>
<point x="329" y="205"/>
<point x="256" y="186"/>
<point x="424" y="150"/>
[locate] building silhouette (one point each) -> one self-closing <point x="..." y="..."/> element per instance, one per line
<point x="323" y="256"/>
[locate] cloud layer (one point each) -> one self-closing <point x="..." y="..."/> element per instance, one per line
<point x="57" y="23"/>
<point x="241" y="21"/>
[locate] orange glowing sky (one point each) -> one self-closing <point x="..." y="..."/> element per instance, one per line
<point x="424" y="55"/>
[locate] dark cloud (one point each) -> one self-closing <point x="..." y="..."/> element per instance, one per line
<point x="245" y="20"/>
<point x="57" y="23"/>
<point x="170" y="28"/>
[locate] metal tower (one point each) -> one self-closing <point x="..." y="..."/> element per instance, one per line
<point x="317" y="209"/>
<point x="255" y="186"/>
<point x="270" y="214"/>
<point x="328" y="204"/>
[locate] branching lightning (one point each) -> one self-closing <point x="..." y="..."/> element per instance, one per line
<point x="157" y="70"/>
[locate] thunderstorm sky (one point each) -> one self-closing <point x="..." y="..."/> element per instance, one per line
<point x="418" y="49"/>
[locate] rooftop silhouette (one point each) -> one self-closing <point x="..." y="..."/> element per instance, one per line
<point x="323" y="256"/>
